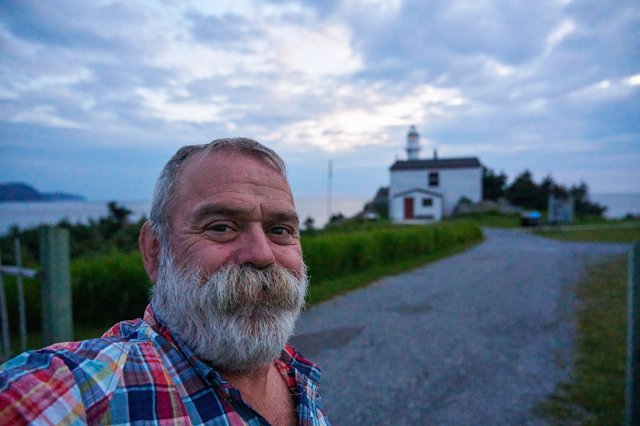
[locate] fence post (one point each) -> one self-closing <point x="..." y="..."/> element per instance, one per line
<point x="22" y="313"/>
<point x="57" y="323"/>
<point x="633" y="338"/>
<point x="6" y="345"/>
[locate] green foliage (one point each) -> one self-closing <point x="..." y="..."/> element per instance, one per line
<point x="106" y="288"/>
<point x="112" y="232"/>
<point x="347" y="282"/>
<point x="493" y="185"/>
<point x="31" y="291"/>
<point x="109" y="288"/>
<point x="333" y="254"/>
<point x="524" y="192"/>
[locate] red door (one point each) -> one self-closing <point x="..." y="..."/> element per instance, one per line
<point x="408" y="208"/>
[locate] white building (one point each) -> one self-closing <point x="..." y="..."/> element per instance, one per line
<point x="427" y="190"/>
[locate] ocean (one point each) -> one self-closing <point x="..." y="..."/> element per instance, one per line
<point x="31" y="214"/>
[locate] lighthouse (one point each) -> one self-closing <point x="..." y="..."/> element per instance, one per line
<point x="413" y="143"/>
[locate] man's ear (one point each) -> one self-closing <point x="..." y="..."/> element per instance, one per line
<point x="149" y="246"/>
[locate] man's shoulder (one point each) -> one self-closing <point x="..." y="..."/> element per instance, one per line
<point x="81" y="373"/>
<point x="73" y="358"/>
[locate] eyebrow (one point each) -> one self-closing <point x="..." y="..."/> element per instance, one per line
<point x="210" y="210"/>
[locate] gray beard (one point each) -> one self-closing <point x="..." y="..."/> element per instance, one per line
<point x="238" y="319"/>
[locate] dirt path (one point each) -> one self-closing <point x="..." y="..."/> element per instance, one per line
<point x="475" y="339"/>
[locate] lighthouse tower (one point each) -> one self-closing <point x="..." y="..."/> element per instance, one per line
<point x="413" y="143"/>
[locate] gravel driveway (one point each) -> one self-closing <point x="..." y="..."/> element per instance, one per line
<point x="474" y="339"/>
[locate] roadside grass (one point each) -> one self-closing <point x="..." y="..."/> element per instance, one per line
<point x="491" y="220"/>
<point x="594" y="393"/>
<point x="331" y="288"/>
<point x="618" y="232"/>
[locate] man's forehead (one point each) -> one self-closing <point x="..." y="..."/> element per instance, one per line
<point x="226" y="161"/>
<point x="233" y="173"/>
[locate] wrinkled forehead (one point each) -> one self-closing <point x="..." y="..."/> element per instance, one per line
<point x="228" y="155"/>
<point x="230" y="167"/>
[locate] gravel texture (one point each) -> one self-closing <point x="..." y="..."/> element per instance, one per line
<point x="475" y="339"/>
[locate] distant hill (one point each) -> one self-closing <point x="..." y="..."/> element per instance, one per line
<point x="15" y="191"/>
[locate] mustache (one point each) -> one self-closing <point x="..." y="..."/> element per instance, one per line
<point x="244" y="289"/>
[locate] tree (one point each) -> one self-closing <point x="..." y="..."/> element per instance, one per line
<point x="118" y="214"/>
<point x="492" y="184"/>
<point x="309" y="227"/>
<point x="582" y="206"/>
<point x="524" y="192"/>
<point x="336" y="218"/>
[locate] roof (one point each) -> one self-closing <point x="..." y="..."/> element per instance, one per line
<point x="441" y="163"/>
<point x="420" y="190"/>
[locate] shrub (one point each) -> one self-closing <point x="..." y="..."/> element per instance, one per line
<point x="334" y="254"/>
<point x="109" y="288"/>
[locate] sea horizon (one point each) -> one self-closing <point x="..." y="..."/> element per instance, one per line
<point x="33" y="213"/>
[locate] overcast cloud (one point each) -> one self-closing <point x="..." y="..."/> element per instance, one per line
<point x="95" y="96"/>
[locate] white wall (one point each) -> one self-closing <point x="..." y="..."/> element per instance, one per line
<point x="420" y="212"/>
<point x="396" y="209"/>
<point x="453" y="185"/>
<point x="458" y="183"/>
<point x="405" y="180"/>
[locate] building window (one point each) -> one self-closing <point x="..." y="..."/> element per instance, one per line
<point x="427" y="202"/>
<point x="434" y="179"/>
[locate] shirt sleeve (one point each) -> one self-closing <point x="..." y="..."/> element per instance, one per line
<point x="39" y="388"/>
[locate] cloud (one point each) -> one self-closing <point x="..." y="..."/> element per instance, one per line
<point x="507" y="81"/>
<point x="362" y="115"/>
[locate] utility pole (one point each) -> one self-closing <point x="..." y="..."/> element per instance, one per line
<point x="330" y="177"/>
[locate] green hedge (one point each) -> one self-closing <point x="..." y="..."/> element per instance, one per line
<point x="331" y="255"/>
<point x="112" y="287"/>
<point x="109" y="288"/>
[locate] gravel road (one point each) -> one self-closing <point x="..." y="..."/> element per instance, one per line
<point x="474" y="339"/>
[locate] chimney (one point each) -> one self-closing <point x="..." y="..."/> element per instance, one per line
<point x="435" y="154"/>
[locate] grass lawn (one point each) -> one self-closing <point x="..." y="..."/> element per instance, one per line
<point x="594" y="394"/>
<point x="618" y="232"/>
<point x="493" y="220"/>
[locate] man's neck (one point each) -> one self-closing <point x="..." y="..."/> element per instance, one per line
<point x="265" y="390"/>
<point x="253" y="381"/>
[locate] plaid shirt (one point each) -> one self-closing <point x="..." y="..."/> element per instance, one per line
<point x="138" y="373"/>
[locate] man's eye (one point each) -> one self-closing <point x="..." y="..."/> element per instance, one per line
<point x="220" y="227"/>
<point x="282" y="231"/>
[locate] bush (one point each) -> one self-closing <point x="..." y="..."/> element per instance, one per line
<point x="109" y="288"/>
<point x="334" y="254"/>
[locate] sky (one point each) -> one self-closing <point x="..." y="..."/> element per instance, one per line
<point x="96" y="96"/>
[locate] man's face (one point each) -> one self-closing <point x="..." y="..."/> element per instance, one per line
<point x="233" y="209"/>
<point x="233" y="282"/>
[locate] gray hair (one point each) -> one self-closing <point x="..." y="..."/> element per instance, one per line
<point x="165" y="191"/>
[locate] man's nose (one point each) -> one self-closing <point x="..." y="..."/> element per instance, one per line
<point x="255" y="248"/>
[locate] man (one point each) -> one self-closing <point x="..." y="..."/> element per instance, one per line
<point x="222" y="249"/>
